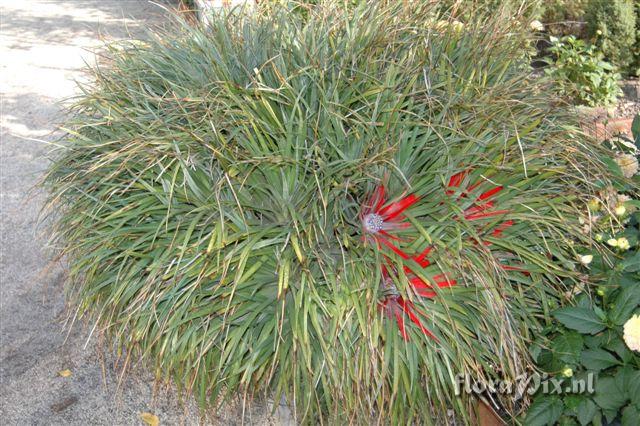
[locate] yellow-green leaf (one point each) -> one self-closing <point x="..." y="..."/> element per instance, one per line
<point x="150" y="419"/>
<point x="65" y="373"/>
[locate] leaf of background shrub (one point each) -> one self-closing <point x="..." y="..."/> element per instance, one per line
<point x="625" y="303"/>
<point x="635" y="129"/>
<point x="600" y="339"/>
<point x="632" y="263"/>
<point x="572" y="402"/>
<point x="625" y="379"/>
<point x="535" y="351"/>
<point x="610" y="415"/>
<point x="580" y="319"/>
<point x="546" y="360"/>
<point x="607" y="394"/>
<point x="621" y="349"/>
<point x="545" y="410"/>
<point x="613" y="167"/>
<point x="634" y="390"/>
<point x="627" y="280"/>
<point x="598" y="359"/>
<point x="586" y="411"/>
<point x="630" y="416"/>
<point x="583" y="301"/>
<point x="567" y="346"/>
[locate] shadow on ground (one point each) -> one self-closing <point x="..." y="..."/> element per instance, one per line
<point x="67" y="22"/>
<point x="43" y="48"/>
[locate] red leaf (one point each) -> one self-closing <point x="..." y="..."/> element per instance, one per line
<point x="442" y="281"/>
<point x="515" y="268"/>
<point x="500" y="229"/>
<point x="388" y="235"/>
<point x="490" y="193"/>
<point x="400" y="320"/>
<point x="395" y="209"/>
<point x="408" y="308"/>
<point x="423" y="289"/>
<point x="395" y="249"/>
<point x="379" y="201"/>
<point x="456" y="180"/>
<point x="421" y="259"/>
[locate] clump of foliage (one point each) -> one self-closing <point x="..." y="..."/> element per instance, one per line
<point x="587" y="349"/>
<point x="581" y="74"/>
<point x="210" y="195"/>
<point x="564" y="17"/>
<point x="612" y="23"/>
<point x="597" y="374"/>
<point x="635" y="68"/>
<point x="463" y="10"/>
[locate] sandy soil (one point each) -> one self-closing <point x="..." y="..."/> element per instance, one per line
<point x="43" y="47"/>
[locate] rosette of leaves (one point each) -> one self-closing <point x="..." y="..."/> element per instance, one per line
<point x="209" y="191"/>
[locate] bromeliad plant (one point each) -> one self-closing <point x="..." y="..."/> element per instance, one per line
<point x="222" y="208"/>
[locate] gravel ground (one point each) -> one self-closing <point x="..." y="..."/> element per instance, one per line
<point x="43" y="48"/>
<point x="627" y="108"/>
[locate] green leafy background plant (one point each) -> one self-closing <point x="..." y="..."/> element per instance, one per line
<point x="587" y="338"/>
<point x="207" y="201"/>
<point x="563" y="17"/>
<point x="581" y="74"/>
<point x="612" y="23"/>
